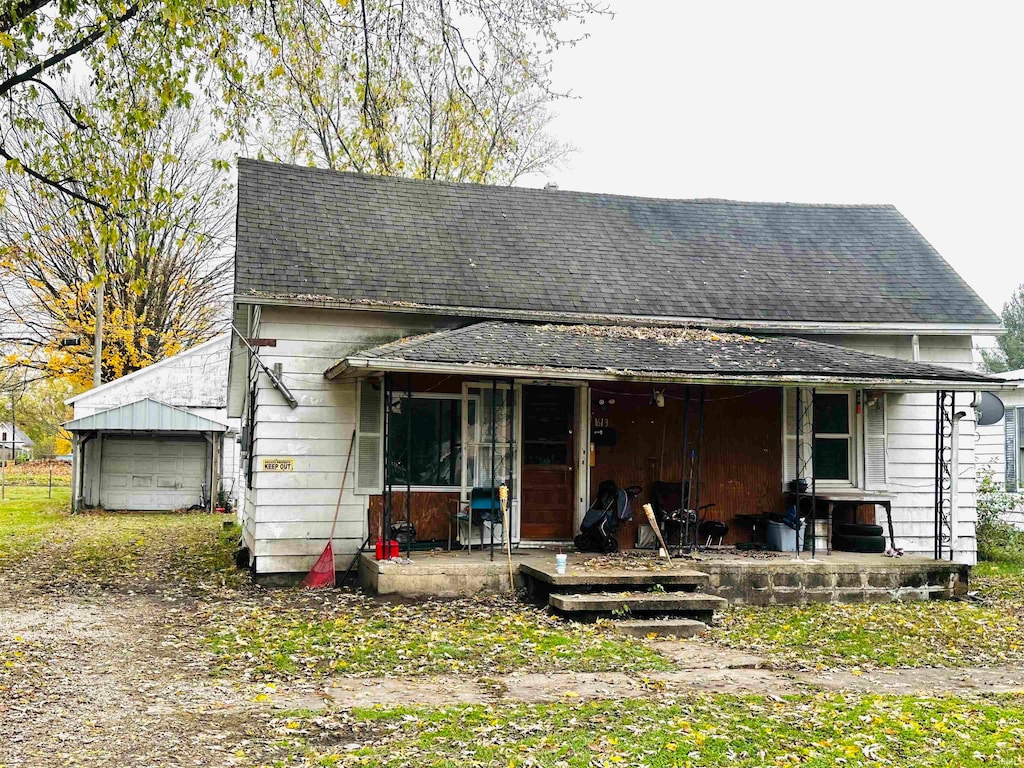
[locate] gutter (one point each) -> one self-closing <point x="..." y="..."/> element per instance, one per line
<point x="718" y="324"/>
<point x="356" y="366"/>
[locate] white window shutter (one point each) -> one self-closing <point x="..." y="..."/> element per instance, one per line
<point x="789" y="427"/>
<point x="789" y="440"/>
<point x="369" y="437"/>
<point x="875" y="468"/>
<point x="1010" y="427"/>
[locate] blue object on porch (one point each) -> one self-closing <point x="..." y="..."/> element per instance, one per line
<point x="485" y="509"/>
<point x="484" y="505"/>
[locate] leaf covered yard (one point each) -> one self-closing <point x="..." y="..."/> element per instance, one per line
<point x="354" y="635"/>
<point x="701" y="730"/>
<point x="132" y="640"/>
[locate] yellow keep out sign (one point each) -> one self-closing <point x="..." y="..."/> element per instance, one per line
<point x="279" y="465"/>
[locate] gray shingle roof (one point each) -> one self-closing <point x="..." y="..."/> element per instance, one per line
<point x="305" y="232"/>
<point x="627" y="350"/>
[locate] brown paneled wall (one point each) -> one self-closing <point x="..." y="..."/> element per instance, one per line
<point x="430" y="511"/>
<point x="742" y="446"/>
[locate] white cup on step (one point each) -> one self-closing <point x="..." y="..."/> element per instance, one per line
<point x="561" y="562"/>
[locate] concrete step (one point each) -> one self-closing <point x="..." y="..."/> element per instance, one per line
<point x="582" y="578"/>
<point x="693" y="605"/>
<point x="659" y="627"/>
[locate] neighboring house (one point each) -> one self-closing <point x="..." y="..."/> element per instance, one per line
<point x="12" y="437"/>
<point x="1000" y="448"/>
<point x="543" y="338"/>
<point x="159" y="438"/>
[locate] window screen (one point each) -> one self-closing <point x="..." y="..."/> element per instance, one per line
<point x="432" y="427"/>
<point x="832" y="436"/>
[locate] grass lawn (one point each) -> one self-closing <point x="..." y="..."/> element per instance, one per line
<point x="921" y="634"/>
<point x="54" y="547"/>
<point x="347" y="633"/>
<point x="701" y="730"/>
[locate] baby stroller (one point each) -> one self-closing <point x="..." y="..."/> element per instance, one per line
<point x="597" y="531"/>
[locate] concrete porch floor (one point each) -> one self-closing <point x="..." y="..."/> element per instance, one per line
<point x="741" y="578"/>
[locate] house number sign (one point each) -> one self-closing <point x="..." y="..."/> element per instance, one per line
<point x="279" y="465"/>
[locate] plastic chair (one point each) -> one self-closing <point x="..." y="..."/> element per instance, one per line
<point x="485" y="509"/>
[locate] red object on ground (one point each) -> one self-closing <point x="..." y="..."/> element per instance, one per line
<point x="322" y="572"/>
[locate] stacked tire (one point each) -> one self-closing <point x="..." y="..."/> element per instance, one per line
<point x="858" y="537"/>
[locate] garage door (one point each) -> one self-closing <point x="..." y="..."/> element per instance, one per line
<point x="152" y="473"/>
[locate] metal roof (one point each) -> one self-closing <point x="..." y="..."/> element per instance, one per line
<point x="643" y="353"/>
<point x="145" y="415"/>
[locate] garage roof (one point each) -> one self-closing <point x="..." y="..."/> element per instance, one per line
<point x="145" y="415"/>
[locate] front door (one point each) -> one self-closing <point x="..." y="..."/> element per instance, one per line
<point x="548" y="479"/>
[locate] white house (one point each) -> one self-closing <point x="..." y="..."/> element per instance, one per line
<point x="13" y="440"/>
<point x="1000" y="448"/>
<point x="159" y="438"/>
<point x="468" y="335"/>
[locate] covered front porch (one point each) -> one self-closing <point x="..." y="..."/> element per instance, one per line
<point x="721" y="434"/>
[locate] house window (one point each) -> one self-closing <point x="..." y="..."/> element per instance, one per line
<point x="1020" y="448"/>
<point x="432" y="426"/>
<point x="832" y="432"/>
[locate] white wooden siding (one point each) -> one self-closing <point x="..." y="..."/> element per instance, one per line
<point x="990" y="450"/>
<point x="291" y="512"/>
<point x="910" y="449"/>
<point x="288" y="515"/>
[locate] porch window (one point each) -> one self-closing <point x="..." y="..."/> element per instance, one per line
<point x="433" y="424"/>
<point x="833" y="430"/>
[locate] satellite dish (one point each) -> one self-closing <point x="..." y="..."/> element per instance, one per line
<point x="990" y="409"/>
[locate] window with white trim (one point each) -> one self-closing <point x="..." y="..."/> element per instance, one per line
<point x="833" y="437"/>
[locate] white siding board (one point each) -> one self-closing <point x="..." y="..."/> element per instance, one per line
<point x="910" y="449"/>
<point x="299" y="447"/>
<point x="293" y="510"/>
<point x="290" y="513"/>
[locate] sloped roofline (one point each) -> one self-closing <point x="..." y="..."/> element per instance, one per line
<point x="128" y="376"/>
<point x="311" y="301"/>
<point x="203" y="424"/>
<point x="474" y="359"/>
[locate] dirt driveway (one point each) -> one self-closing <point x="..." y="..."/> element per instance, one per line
<point x="120" y="678"/>
<point x="108" y="655"/>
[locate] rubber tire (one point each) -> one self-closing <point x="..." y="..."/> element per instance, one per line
<point x="610" y="545"/>
<point x="874" y="545"/>
<point x="584" y="542"/>
<point x="858" y="529"/>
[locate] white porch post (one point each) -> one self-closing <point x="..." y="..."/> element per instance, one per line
<point x="76" y="458"/>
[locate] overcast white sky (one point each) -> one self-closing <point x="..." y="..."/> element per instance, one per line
<point x="912" y="103"/>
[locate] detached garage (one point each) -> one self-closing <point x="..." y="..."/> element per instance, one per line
<point x="145" y="456"/>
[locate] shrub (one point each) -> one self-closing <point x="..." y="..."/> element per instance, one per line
<point x="997" y="539"/>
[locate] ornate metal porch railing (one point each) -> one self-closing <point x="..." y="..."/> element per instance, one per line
<point x="945" y="406"/>
<point x="804" y="481"/>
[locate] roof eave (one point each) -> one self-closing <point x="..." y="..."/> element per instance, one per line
<point x="361" y="366"/>
<point x="718" y="324"/>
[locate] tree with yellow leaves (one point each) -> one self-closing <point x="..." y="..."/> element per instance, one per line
<point x="166" y="266"/>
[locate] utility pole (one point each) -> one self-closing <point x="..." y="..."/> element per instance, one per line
<point x="14" y="431"/>
<point x="97" y="354"/>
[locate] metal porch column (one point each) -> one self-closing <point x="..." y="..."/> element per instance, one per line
<point x="945" y="406"/>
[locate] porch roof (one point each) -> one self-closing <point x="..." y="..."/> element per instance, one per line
<point x="500" y="348"/>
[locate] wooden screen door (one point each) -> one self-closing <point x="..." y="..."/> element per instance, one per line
<point x="549" y="450"/>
